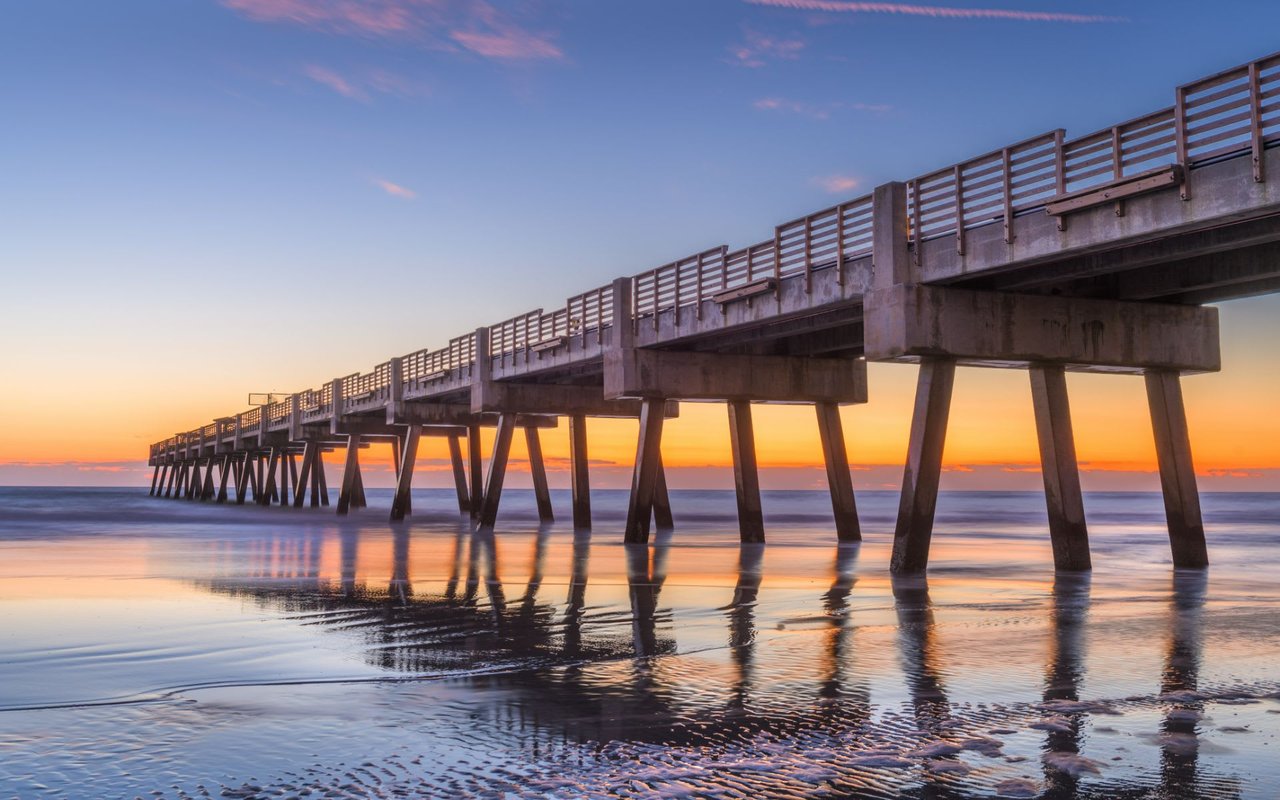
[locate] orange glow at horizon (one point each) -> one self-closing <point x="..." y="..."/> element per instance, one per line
<point x="1232" y="417"/>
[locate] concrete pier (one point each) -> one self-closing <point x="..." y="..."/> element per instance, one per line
<point x="1051" y="254"/>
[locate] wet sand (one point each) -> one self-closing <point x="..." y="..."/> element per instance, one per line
<point x="164" y="649"/>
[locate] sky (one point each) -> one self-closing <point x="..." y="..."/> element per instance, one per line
<point x="206" y="198"/>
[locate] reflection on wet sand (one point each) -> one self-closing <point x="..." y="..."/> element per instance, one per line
<point x="573" y="670"/>
<point x="1180" y="745"/>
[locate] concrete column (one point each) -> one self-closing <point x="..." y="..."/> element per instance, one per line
<point x="309" y="451"/>
<point x="269" y="491"/>
<point x="843" y="504"/>
<point x="580" y="477"/>
<point x="157" y="480"/>
<point x="924" y="466"/>
<point x="1177" y="477"/>
<point x="155" y="476"/>
<point x="321" y="486"/>
<point x="647" y="466"/>
<point x="285" y="479"/>
<point x="404" y="481"/>
<point x="350" y="472"/>
<point x="539" y="471"/>
<point x="193" y="481"/>
<point x="243" y="471"/>
<point x="209" y="490"/>
<point x="890" y="257"/>
<point x="476" y="469"/>
<point x="1067" y="527"/>
<point x="173" y="476"/>
<point x="662" y="519"/>
<point x="224" y="473"/>
<point x="497" y="470"/>
<point x="746" y="476"/>
<point x="622" y="333"/>
<point x="358" y="498"/>
<point x="459" y="475"/>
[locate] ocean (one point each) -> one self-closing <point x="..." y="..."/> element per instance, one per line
<point x="168" y="649"/>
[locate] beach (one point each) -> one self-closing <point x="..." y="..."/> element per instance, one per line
<point x="171" y="649"/>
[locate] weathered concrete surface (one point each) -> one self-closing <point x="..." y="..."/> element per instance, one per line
<point x="707" y="376"/>
<point x="904" y="323"/>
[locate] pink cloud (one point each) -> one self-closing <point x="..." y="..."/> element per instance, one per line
<point x="939" y="12"/>
<point x="759" y="47"/>
<point x="472" y="25"/>
<point x="836" y="184"/>
<point x="395" y="189"/>
<point x="375" y="17"/>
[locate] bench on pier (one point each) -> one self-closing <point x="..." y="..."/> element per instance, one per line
<point x="1152" y="180"/>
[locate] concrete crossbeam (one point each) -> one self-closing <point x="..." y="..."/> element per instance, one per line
<point x="905" y="323"/>
<point x="714" y="376"/>
<point x="532" y="398"/>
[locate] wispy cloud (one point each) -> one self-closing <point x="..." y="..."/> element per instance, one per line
<point x="820" y="111"/>
<point x="327" y="77"/>
<point x="511" y="44"/>
<point x="363" y="83"/>
<point x="373" y="17"/>
<point x="938" y="12"/>
<point x="757" y="48"/>
<point x="395" y="189"/>
<point x="794" y="107"/>
<point x="473" y="26"/>
<point x="836" y="184"/>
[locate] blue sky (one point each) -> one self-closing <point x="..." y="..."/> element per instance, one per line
<point x="206" y="197"/>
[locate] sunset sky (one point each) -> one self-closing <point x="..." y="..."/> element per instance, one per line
<point x="204" y="198"/>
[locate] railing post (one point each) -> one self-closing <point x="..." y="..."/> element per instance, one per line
<point x="1007" y="167"/>
<point x="623" y="336"/>
<point x="957" y="180"/>
<point x="1180" y="138"/>
<point x="914" y="235"/>
<point x="1117" y="163"/>
<point x="840" y="209"/>
<point x="295" y="417"/>
<point x="777" y="263"/>
<point x="1255" y="121"/>
<point x="395" y="391"/>
<point x="1060" y="170"/>
<point x="676" y="311"/>
<point x="808" y="253"/>
<point x="698" y="292"/>
<point x="890" y="264"/>
<point x="335" y="409"/>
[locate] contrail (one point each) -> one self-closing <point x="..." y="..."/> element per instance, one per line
<point x="942" y="12"/>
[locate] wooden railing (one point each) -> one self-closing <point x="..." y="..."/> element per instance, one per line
<point x="1223" y="116"/>
<point x="1232" y="113"/>
<point x="359" y="385"/>
<point x="433" y="364"/>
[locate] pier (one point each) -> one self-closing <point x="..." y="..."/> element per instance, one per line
<point x="1096" y="253"/>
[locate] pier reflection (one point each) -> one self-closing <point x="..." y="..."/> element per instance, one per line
<point x="566" y="647"/>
